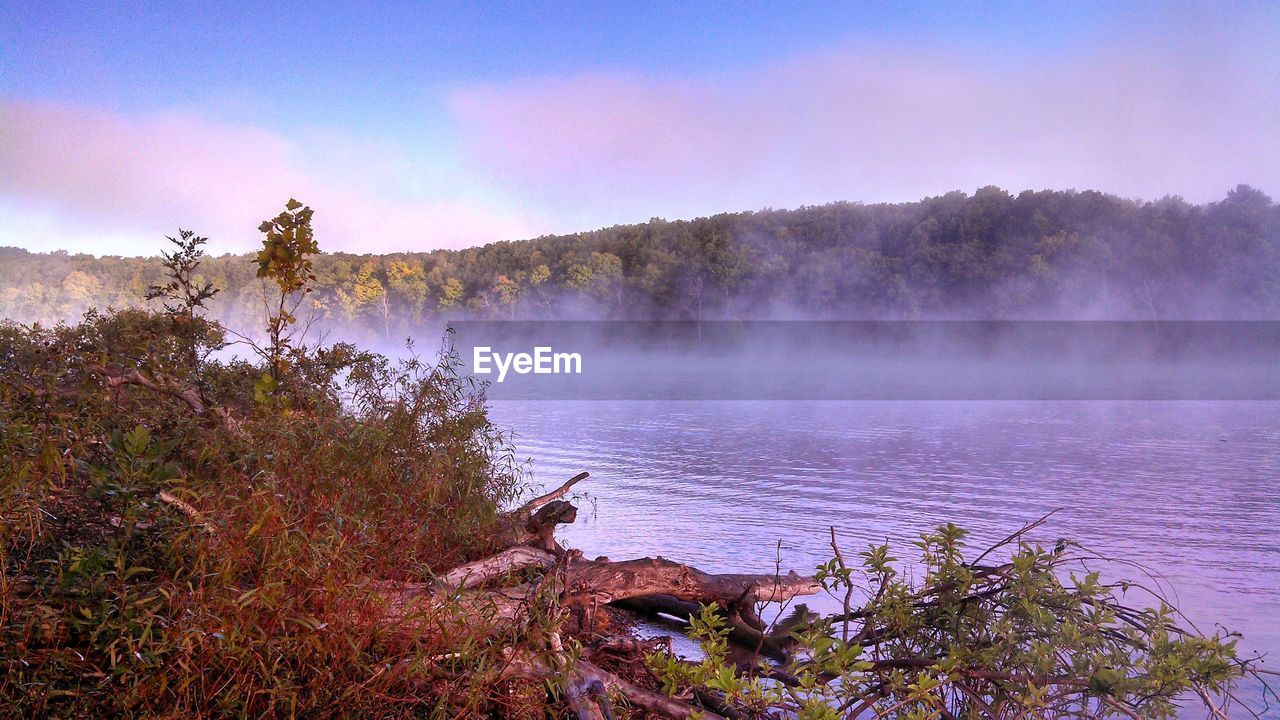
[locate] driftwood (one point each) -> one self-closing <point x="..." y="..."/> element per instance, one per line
<point x="475" y="574"/>
<point x="587" y="584"/>
<point x="528" y="508"/>
<point x="773" y="643"/>
<point x="607" y="581"/>
<point x="534" y="523"/>
<point x="497" y="591"/>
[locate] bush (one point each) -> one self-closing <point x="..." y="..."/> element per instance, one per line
<point x="117" y="601"/>
<point x="1033" y="633"/>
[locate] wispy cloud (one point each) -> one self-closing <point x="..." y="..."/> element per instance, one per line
<point x="77" y="175"/>
<point x="1193" y="115"/>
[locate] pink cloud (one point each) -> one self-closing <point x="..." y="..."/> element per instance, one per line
<point x="1190" y="118"/>
<point x="96" y="170"/>
<point x="617" y="125"/>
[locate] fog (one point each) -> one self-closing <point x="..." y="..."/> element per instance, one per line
<point x="875" y="360"/>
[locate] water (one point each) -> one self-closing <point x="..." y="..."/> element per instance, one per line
<point x="1189" y="489"/>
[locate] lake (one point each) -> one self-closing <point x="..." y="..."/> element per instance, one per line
<point x="1189" y="489"/>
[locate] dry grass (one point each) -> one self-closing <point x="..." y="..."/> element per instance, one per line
<point x="117" y="603"/>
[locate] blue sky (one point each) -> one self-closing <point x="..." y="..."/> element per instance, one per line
<point x="450" y="124"/>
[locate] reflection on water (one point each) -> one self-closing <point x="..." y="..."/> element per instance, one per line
<point x="1190" y="489"/>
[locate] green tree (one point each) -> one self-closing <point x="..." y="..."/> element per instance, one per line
<point x="285" y="259"/>
<point x="184" y="293"/>
<point x="600" y="277"/>
<point x="579" y="276"/>
<point x="537" y="283"/>
<point x="924" y="259"/>
<point x="184" y="297"/>
<point x="1038" y="634"/>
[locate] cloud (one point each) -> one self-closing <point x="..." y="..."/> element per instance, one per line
<point x="1186" y="115"/>
<point x="1189" y="108"/>
<point x="88" y="177"/>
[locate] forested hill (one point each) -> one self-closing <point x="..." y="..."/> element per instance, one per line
<point x="991" y="254"/>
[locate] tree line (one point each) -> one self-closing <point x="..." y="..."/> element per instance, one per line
<point x="990" y="254"/>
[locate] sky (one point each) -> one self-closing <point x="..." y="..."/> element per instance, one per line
<point x="426" y="125"/>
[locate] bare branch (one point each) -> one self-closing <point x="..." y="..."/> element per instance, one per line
<point x="556" y="494"/>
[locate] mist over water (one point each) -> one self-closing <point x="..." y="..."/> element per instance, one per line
<point x="866" y="360"/>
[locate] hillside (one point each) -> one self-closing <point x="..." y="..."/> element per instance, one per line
<point x="990" y="255"/>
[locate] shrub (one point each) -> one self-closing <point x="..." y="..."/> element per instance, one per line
<point x="117" y="601"/>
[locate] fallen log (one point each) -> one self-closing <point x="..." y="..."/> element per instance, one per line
<point x="773" y="643"/>
<point x="628" y="645"/>
<point x="740" y="634"/>
<point x="477" y="573"/>
<point x="528" y="508"/>
<point x="540" y="528"/>
<point x="534" y="523"/>
<point x="653" y="605"/>
<point x="589" y="583"/>
<point x="655" y="584"/>
<point x="605" y="582"/>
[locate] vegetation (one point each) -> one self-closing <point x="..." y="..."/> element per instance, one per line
<point x="177" y="543"/>
<point x="285" y="259"/>
<point x="1035" y="634"/>
<point x="987" y="255"/>
<point x="164" y="558"/>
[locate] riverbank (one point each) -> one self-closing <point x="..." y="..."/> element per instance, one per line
<point x="184" y="535"/>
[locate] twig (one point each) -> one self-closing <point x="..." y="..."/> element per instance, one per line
<point x="1015" y="535"/>
<point x="848" y="581"/>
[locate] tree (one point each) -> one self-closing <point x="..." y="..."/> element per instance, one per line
<point x="1036" y="633"/>
<point x="185" y="294"/>
<point x="537" y="283"/>
<point x="366" y="294"/>
<point x="285" y="259"/>
<point x="939" y="257"/>
<point x="505" y="293"/>
<point x="451" y="293"/>
<point x="578" y="277"/>
<point x="409" y="282"/>
<point x="82" y="288"/>
<point x="601" y="277"/>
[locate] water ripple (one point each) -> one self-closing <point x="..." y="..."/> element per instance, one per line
<point x="1190" y="490"/>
